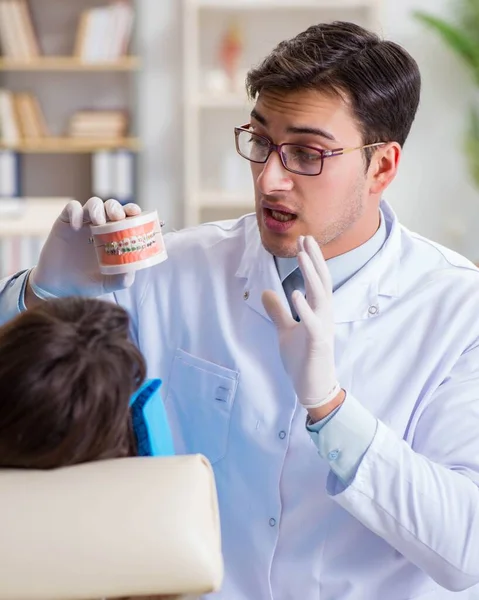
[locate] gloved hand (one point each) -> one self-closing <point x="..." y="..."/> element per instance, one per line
<point x="68" y="264"/>
<point x="307" y="346"/>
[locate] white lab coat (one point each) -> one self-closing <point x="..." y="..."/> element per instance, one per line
<point x="407" y="347"/>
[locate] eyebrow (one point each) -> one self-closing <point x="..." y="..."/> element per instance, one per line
<point x="298" y="130"/>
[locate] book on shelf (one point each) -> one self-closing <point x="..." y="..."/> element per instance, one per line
<point x="9" y="125"/>
<point x="102" y="124"/>
<point x="18" y="39"/>
<point x="21" y="118"/>
<point x="104" y="33"/>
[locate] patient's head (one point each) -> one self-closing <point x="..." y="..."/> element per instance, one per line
<point x="67" y="372"/>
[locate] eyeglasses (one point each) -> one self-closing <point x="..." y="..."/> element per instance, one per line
<point x="302" y="160"/>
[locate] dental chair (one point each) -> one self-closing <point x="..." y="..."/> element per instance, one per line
<point x="120" y="528"/>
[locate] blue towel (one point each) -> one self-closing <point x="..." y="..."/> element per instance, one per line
<point x="150" y="423"/>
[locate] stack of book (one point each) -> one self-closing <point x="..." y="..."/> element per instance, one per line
<point x="104" y="33"/>
<point x="18" y="40"/>
<point x="21" y="118"/>
<point x="98" y="124"/>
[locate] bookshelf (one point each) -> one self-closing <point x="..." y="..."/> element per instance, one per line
<point x="217" y="182"/>
<point x="68" y="125"/>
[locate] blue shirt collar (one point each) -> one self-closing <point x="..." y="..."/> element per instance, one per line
<point x="345" y="266"/>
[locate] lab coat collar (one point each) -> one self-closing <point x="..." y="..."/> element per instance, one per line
<point x="362" y="297"/>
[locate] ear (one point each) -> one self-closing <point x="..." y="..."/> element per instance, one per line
<point x="383" y="167"/>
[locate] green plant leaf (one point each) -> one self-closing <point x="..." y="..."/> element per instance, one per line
<point x="459" y="41"/>
<point x="468" y="17"/>
<point x="472" y="145"/>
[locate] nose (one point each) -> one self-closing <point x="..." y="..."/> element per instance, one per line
<point x="273" y="177"/>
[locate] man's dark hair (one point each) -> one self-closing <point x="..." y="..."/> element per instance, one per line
<point x="379" y="79"/>
<point x="67" y="372"/>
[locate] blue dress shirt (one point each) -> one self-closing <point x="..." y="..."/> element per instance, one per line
<point x="332" y="435"/>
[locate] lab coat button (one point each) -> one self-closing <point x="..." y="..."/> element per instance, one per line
<point x="333" y="455"/>
<point x="272" y="522"/>
<point x="373" y="310"/>
<point x="246" y="295"/>
<point x="282" y="435"/>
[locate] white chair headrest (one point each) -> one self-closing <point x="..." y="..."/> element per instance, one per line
<point x="126" y="527"/>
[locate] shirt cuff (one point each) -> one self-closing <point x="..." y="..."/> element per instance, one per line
<point x="343" y="437"/>
<point x="12" y="296"/>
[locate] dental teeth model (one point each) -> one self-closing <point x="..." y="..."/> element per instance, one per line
<point x="136" y="243"/>
<point x="129" y="245"/>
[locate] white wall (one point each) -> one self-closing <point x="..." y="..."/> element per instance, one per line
<point x="159" y="111"/>
<point x="432" y="194"/>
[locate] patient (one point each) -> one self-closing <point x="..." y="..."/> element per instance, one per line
<point x="67" y="372"/>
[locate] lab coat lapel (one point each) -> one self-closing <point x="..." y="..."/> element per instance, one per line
<point x="258" y="269"/>
<point x="366" y="294"/>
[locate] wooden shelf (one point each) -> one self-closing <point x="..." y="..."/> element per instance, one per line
<point x="65" y="145"/>
<point x="68" y="63"/>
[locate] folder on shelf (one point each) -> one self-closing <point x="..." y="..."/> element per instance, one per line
<point x="124" y="176"/>
<point x="113" y="175"/>
<point x="102" y="174"/>
<point x="10" y="185"/>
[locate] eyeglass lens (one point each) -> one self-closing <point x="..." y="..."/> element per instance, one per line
<point x="296" y="158"/>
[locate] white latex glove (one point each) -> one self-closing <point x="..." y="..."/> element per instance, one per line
<point x="307" y="346"/>
<point x="68" y="265"/>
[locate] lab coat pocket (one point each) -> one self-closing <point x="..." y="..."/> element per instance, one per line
<point x="199" y="401"/>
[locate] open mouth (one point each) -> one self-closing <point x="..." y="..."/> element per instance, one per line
<point x="280" y="215"/>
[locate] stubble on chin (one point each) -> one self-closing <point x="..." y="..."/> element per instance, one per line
<point x="279" y="248"/>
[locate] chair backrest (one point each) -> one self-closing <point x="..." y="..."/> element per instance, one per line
<point x="118" y="528"/>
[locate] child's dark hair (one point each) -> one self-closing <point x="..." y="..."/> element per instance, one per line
<point x="67" y="371"/>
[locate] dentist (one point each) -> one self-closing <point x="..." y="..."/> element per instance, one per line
<point x="335" y="391"/>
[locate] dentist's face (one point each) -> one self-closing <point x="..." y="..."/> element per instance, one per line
<point x="339" y="207"/>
